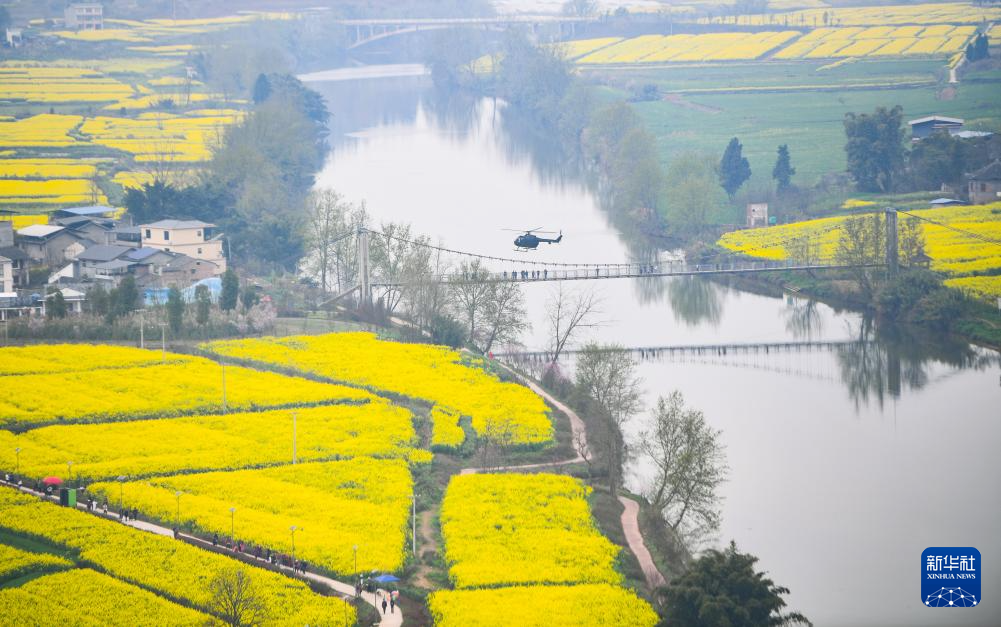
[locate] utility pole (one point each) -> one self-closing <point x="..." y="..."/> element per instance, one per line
<point x="163" y="342"/>
<point x="293" y="437"/>
<point x="142" y="327"/>
<point x="223" y="364"/>
<point x="365" y="294"/>
<point x="414" y="539"/>
<point x="892" y="260"/>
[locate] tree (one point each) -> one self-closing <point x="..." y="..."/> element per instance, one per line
<point x="126" y="296"/>
<point x="733" y="168"/>
<point x="635" y="172"/>
<point x="504" y="315"/>
<point x="235" y="599"/>
<point x="580" y="8"/>
<point x="875" y="148"/>
<point x="395" y="253"/>
<point x="722" y="589"/>
<point x="937" y="160"/>
<point x="230" y="290"/>
<point x="688" y="459"/>
<point x="262" y="88"/>
<point x="568" y="313"/>
<point x="607" y="375"/>
<point x="175" y="309"/>
<point x="324" y="221"/>
<point x="862" y="243"/>
<point x="910" y="240"/>
<point x="470" y="295"/>
<point x="696" y="199"/>
<point x="203" y="304"/>
<point x="55" y="305"/>
<point x="783" y="170"/>
<point x="533" y="78"/>
<point x="248" y="297"/>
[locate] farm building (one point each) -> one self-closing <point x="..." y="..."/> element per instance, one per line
<point x="985" y="184"/>
<point x="924" y="127"/>
<point x="84" y="16"/>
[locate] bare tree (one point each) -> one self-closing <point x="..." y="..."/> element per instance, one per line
<point x="911" y="241"/>
<point x="862" y="244"/>
<point x="425" y="294"/>
<point x="690" y="466"/>
<point x="326" y="224"/>
<point x="235" y="599"/>
<point x="496" y="434"/>
<point x="607" y="375"/>
<point x="569" y="312"/>
<point x="470" y="294"/>
<point x="395" y="254"/>
<point x="504" y="316"/>
<point x="580" y="8"/>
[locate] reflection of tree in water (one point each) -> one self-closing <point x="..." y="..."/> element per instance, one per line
<point x="694" y="300"/>
<point x="803" y="318"/>
<point x="887" y="358"/>
<point x="456" y="111"/>
<point x="362" y="104"/>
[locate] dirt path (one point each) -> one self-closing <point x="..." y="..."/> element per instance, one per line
<point x="631" y="527"/>
<point x="428" y="543"/>
<point x="679" y="101"/>
<point x="630" y="515"/>
<point x="342" y="589"/>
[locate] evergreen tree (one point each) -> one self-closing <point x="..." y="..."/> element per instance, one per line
<point x="733" y="168"/>
<point x="262" y="89"/>
<point x="248" y="297"/>
<point x="203" y="303"/>
<point x="175" y="309"/>
<point x="55" y="306"/>
<point x="230" y="290"/>
<point x="722" y="589"/>
<point x="875" y="148"/>
<point x="783" y="170"/>
<point x="126" y="296"/>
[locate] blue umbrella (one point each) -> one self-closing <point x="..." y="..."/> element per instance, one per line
<point x="385" y="579"/>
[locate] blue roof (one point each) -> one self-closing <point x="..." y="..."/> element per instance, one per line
<point x="88" y="211"/>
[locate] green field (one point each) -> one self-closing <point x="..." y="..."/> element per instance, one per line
<point x="794" y="103"/>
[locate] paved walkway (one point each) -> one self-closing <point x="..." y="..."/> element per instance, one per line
<point x="344" y="590"/>
<point x="631" y="527"/>
<point x="630" y="515"/>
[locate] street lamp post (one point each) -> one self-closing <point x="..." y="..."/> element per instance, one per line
<point x="69" y="472"/>
<point x="293" y="529"/>
<point x="142" y="327"/>
<point x="293" y="436"/>
<point x="177" y="521"/>
<point x="17" y="453"/>
<point x="232" y="525"/>
<point x="121" y="494"/>
<point x="355" y="547"/>
<point x="163" y="342"/>
<point x="414" y="539"/>
<point x="223" y="364"/>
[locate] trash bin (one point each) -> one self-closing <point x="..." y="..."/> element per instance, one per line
<point x="67" y="497"/>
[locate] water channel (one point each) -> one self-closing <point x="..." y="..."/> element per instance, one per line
<point x="844" y="464"/>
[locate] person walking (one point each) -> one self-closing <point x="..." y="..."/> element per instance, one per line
<point x="392" y="604"/>
<point x="384" y="604"/>
<point x="215" y="539"/>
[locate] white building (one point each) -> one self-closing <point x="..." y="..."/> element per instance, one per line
<point x="84" y="16"/>
<point x="189" y="237"/>
<point x="6" y="275"/>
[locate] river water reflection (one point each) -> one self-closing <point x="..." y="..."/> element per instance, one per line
<point x="846" y="462"/>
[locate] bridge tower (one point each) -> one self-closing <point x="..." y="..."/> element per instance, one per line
<point x="892" y="261"/>
<point x="364" y="278"/>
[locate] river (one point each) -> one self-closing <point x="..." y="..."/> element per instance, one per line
<point x="844" y="464"/>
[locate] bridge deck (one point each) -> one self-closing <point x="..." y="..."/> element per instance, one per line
<point x="623" y="271"/>
<point x="708" y="349"/>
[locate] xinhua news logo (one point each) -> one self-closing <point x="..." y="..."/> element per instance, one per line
<point x="950" y="576"/>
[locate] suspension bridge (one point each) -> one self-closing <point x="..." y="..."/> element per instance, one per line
<point x="680" y="350"/>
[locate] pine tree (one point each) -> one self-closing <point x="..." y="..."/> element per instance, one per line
<point x="262" y="89"/>
<point x="55" y="306"/>
<point x="230" y="290"/>
<point x="203" y="303"/>
<point x="783" y="170"/>
<point x="175" y="309"/>
<point x="733" y="168"/>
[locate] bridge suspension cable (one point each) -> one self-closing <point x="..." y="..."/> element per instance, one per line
<point x="983" y="238"/>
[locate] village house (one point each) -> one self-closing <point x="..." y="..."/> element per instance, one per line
<point x="927" y="126"/>
<point x="6" y="275"/>
<point x="84" y="16"/>
<point x="189" y="237"/>
<point x="49" y="244"/>
<point x="18" y="271"/>
<point x="985" y="184"/>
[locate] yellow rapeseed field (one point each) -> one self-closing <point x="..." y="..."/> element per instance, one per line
<point x="511" y="529"/>
<point x="44" y="130"/>
<point x="361" y="502"/>
<point x="432" y="373"/>
<point x="47" y="168"/>
<point x="15" y="562"/>
<point x="929" y="13"/>
<point x="155" y="391"/>
<point x="702" y="47"/>
<point x="51" y="358"/>
<point x="212" y="442"/>
<point x="108" y="602"/>
<point x="541" y="606"/>
<point x="162" y="565"/>
<point x="953" y="253"/>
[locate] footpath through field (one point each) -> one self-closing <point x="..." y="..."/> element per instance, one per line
<point x="630" y="513"/>
<point x="345" y="591"/>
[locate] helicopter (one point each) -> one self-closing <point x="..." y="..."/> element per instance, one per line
<point x="528" y="240"/>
